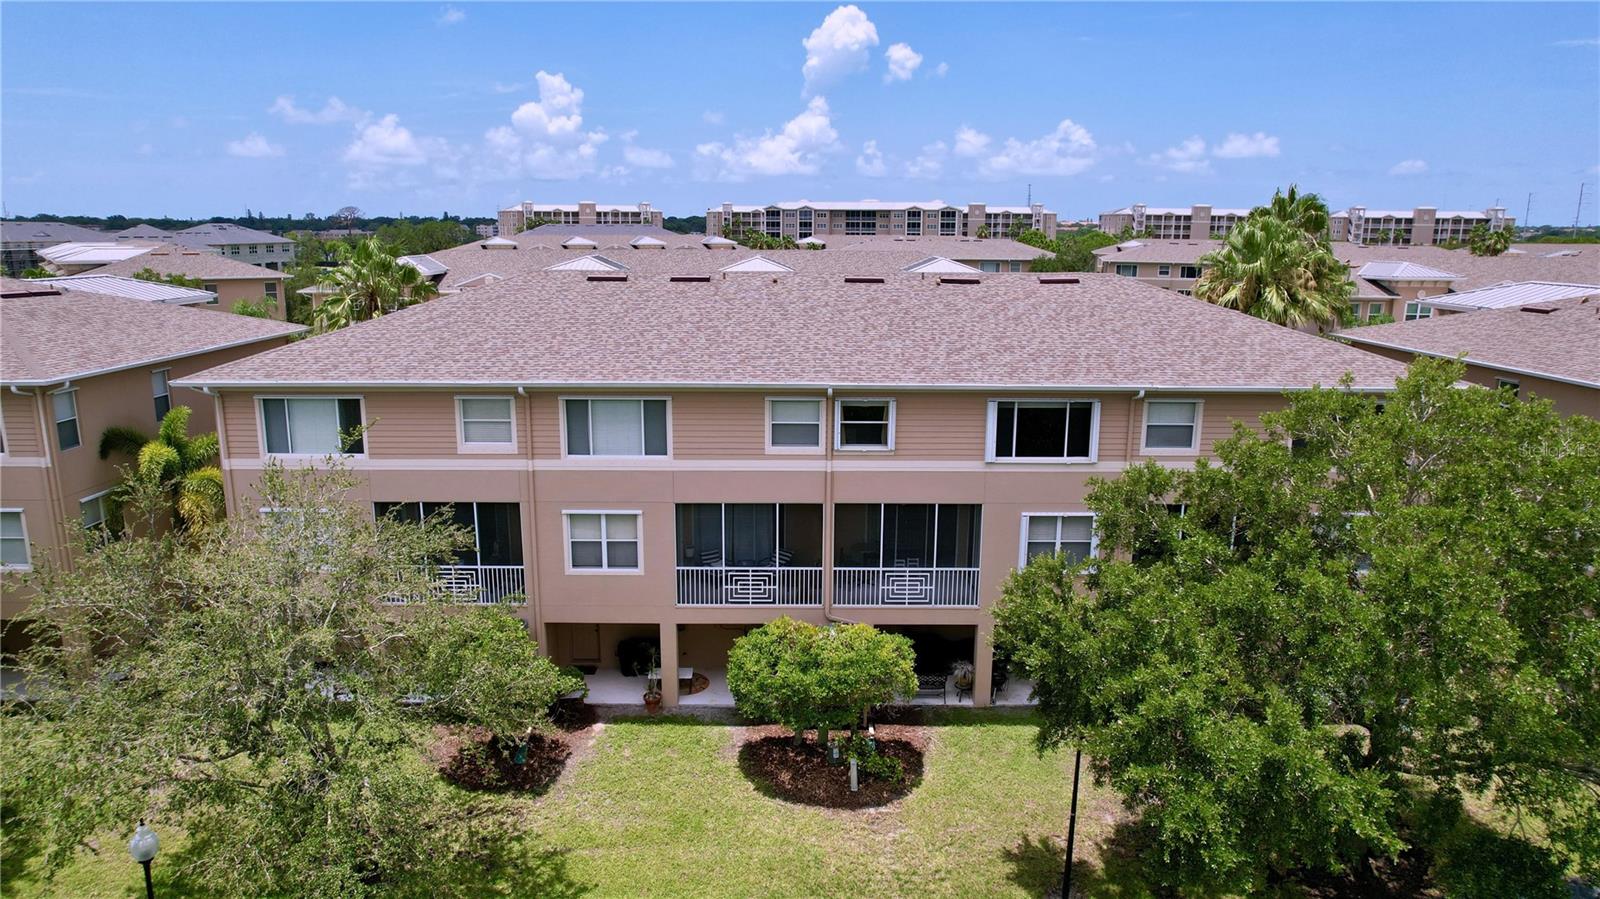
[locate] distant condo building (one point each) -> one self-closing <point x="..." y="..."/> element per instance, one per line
<point x="799" y="219"/>
<point x="1171" y="222"/>
<point x="1422" y="226"/>
<point x="586" y="212"/>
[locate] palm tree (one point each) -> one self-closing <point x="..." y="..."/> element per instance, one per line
<point x="172" y="460"/>
<point x="1483" y="242"/>
<point x="1267" y="268"/>
<point x="1305" y="212"/>
<point x="369" y="282"/>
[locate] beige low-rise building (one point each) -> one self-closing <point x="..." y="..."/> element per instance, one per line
<point x="672" y="459"/>
<point x="1198" y="222"/>
<point x="1422" y="226"/>
<point x="513" y="219"/>
<point x="233" y="282"/>
<point x="72" y="365"/>
<point x="829" y="219"/>
<point x="1546" y="349"/>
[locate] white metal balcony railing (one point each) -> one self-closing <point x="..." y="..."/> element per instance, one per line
<point x="704" y="586"/>
<point x="957" y="587"/>
<point x="478" y="584"/>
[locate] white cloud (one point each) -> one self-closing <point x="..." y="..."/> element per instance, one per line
<point x="645" y="158"/>
<point x="1246" y="146"/>
<point x="385" y="152"/>
<point x="930" y="162"/>
<point x="557" y="112"/>
<point x="253" y="146"/>
<point x="870" y="162"/>
<point x="450" y="15"/>
<point x="838" y="46"/>
<point x="1067" y="150"/>
<point x="1188" y="157"/>
<point x="942" y="69"/>
<point x="1579" y="42"/>
<point x="332" y="112"/>
<point x="903" y="62"/>
<point x="1409" y="167"/>
<point x="712" y="117"/>
<point x="795" y="150"/>
<point x="971" y="142"/>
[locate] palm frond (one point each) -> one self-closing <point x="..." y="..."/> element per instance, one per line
<point x="202" y="450"/>
<point x="158" y="462"/>
<point x="200" y="497"/>
<point x="119" y="439"/>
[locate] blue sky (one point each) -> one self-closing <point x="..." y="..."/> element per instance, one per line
<point x="418" y="108"/>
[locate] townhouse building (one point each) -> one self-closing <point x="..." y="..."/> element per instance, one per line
<point x="20" y="242"/>
<point x="236" y="242"/>
<point x="73" y="364"/>
<point x="1548" y="349"/>
<point x="1198" y="222"/>
<point x="668" y="459"/>
<point x="513" y="219"/>
<point x="800" y="219"/>
<point x="229" y="280"/>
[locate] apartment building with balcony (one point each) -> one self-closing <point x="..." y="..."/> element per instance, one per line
<point x="649" y="458"/>
<point x="800" y="219"/>
<point x="512" y="219"/>
<point x="1422" y="226"/>
<point x="73" y="364"/>
<point x="1198" y="222"/>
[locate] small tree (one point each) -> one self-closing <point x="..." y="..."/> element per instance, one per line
<point x="1483" y="242"/>
<point x="862" y="667"/>
<point x="150" y="274"/>
<point x="182" y="467"/>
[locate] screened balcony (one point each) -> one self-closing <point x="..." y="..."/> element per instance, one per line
<point x="749" y="554"/>
<point x="906" y="554"/>
<point x="490" y="569"/>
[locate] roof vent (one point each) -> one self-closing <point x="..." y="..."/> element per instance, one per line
<point x="1058" y="280"/>
<point x="960" y="280"/>
<point x="690" y="279"/>
<point x="606" y="278"/>
<point x="863" y="280"/>
<point x="1539" y="310"/>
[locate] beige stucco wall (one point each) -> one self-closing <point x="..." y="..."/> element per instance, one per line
<point x="232" y="292"/>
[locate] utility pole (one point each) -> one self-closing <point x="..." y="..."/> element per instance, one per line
<point x="1576" y="213"/>
<point x="1527" y="213"/>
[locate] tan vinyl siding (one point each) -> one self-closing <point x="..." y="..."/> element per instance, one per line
<point x="21" y="417"/>
<point x="940" y="426"/>
<point x="718" y="425"/>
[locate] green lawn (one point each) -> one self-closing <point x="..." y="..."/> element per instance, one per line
<point x="660" y="808"/>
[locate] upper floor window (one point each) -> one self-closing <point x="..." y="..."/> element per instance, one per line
<point x="1128" y="270"/>
<point x="1172" y="425"/>
<point x="161" y="391"/>
<point x="13" y="540"/>
<point x="270" y="289"/>
<point x="215" y="297"/>
<point x="1508" y="384"/>
<point x="486" y="422"/>
<point x="616" y="427"/>
<point x="93" y="511"/>
<point x="864" y="424"/>
<point x="1189" y="271"/>
<point x="603" y="541"/>
<point x="312" y="425"/>
<point x="1163" y="271"/>
<point x="65" y="405"/>
<point x="1071" y="535"/>
<point x="794" y="424"/>
<point x="1035" y="430"/>
<point x="1416" y="310"/>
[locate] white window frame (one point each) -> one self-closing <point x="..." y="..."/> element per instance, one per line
<point x="562" y="400"/>
<point x="5" y="438"/>
<point x="994" y="422"/>
<point x="1022" y="537"/>
<point x="1163" y="271"/>
<point x="822" y="425"/>
<point x="1501" y="383"/>
<point x="261" y="426"/>
<point x="1192" y="449"/>
<point x="566" y="541"/>
<point x="22" y="520"/>
<point x="76" y="419"/>
<point x="1122" y="265"/>
<point x="99" y="498"/>
<point x="838" y="425"/>
<point x="166" y="382"/>
<point x="465" y="447"/>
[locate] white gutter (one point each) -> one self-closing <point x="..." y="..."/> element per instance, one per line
<point x="192" y="381"/>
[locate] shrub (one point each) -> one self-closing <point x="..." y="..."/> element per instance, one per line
<point x="1484" y="865"/>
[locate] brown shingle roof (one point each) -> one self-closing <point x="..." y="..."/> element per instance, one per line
<point x="53" y="337"/>
<point x="910" y="331"/>
<point x="1559" y="340"/>
<point x="171" y="259"/>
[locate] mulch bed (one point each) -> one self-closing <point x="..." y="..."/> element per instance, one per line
<point x="471" y="757"/>
<point x="803" y="773"/>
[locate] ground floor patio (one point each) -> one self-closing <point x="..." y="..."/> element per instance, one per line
<point x="610" y="687"/>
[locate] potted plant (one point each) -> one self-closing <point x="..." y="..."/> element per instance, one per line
<point x="652" y="685"/>
<point x="964" y="674"/>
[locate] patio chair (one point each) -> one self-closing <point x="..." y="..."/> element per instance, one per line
<point x="933" y="685"/>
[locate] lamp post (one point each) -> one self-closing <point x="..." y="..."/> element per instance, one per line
<point x="143" y="848"/>
<point x="1072" y="826"/>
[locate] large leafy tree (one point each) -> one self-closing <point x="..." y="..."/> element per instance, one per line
<point x="182" y="467"/>
<point x="428" y="236"/>
<point x="369" y="281"/>
<point x="1305" y="655"/>
<point x="1270" y="268"/>
<point x="247" y="686"/>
